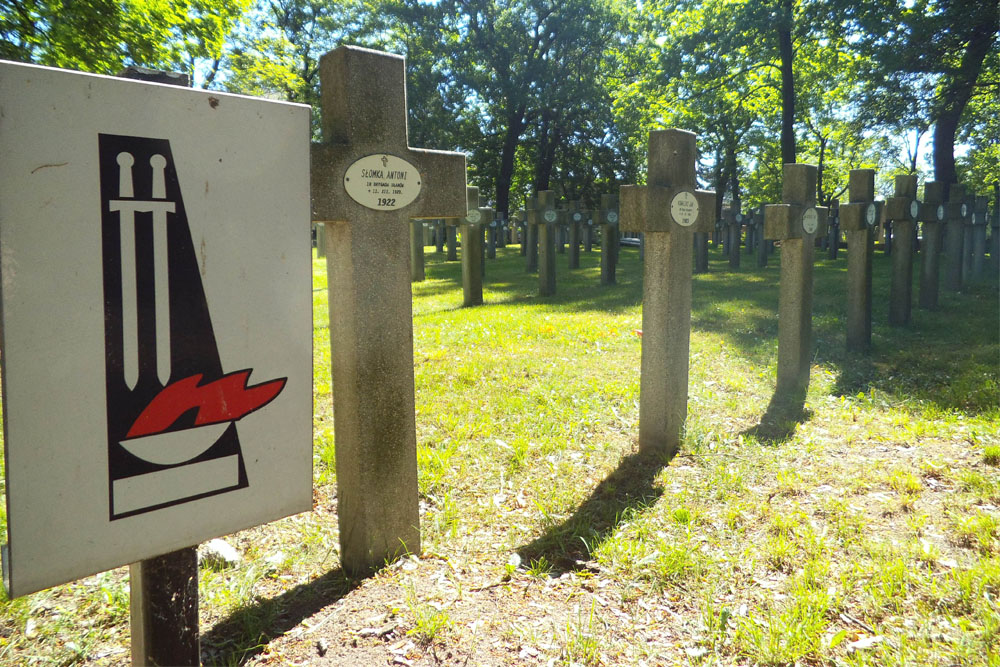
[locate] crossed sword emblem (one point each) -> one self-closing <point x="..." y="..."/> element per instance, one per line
<point x="159" y="207"/>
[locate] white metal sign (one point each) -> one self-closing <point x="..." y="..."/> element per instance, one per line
<point x="382" y="182"/>
<point x="871" y="213"/>
<point x="810" y="221"/>
<point x="684" y="208"/>
<point x="157" y="352"/>
<point x="549" y="215"/>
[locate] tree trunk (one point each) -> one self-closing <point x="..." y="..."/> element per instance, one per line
<point x="956" y="90"/>
<point x="787" y="83"/>
<point x="515" y="127"/>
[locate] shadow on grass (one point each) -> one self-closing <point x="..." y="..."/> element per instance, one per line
<point x="783" y="415"/>
<point x="247" y="631"/>
<point x="569" y="545"/>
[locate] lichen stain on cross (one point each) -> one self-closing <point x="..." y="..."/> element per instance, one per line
<point x="363" y="95"/>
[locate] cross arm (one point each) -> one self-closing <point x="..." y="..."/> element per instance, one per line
<point x="785" y="221"/>
<point x="901" y="209"/>
<point x="443" y="189"/>
<point x="854" y="216"/>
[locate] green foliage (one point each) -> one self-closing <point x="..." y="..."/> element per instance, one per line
<point x="104" y="36"/>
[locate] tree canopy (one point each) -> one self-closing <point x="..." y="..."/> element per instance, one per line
<point x="561" y="95"/>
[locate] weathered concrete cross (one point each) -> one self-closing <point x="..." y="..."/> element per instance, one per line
<point x="957" y="211"/>
<point x="546" y="218"/>
<point x="795" y="222"/>
<point x="367" y="183"/>
<point x="531" y="234"/>
<point x="858" y="219"/>
<point x="472" y="248"/>
<point x="416" y="250"/>
<point x="979" y="222"/>
<point x="608" y="218"/>
<point x="932" y="215"/>
<point x="902" y="210"/>
<point x="577" y="218"/>
<point x="668" y="210"/>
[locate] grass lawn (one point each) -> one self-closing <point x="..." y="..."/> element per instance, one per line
<point x="866" y="532"/>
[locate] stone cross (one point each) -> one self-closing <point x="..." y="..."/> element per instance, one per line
<point x="493" y="233"/>
<point x="518" y="223"/>
<point x="735" y="221"/>
<point x="795" y="222"/>
<point x="902" y="210"/>
<point x="858" y="219"/>
<point x="763" y="245"/>
<point x="577" y="219"/>
<point x="668" y="210"/>
<point x="472" y="248"/>
<point x="995" y="231"/>
<point x="608" y="218"/>
<point x="701" y="252"/>
<point x="588" y="230"/>
<point x="363" y="99"/>
<point x="562" y="222"/>
<point x="833" y="233"/>
<point x="979" y="221"/>
<point x="320" y="241"/>
<point x="957" y="211"/>
<point x="546" y="217"/>
<point x="531" y="233"/>
<point x="438" y="235"/>
<point x="451" y="238"/>
<point x="416" y="250"/>
<point x="932" y="215"/>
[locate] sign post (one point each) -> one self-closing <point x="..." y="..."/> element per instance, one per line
<point x="472" y="246"/>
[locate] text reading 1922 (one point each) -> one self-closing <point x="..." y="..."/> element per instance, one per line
<point x="382" y="182"/>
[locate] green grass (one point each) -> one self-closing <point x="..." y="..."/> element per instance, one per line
<point x="874" y="513"/>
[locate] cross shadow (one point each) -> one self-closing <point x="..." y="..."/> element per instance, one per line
<point x="628" y="489"/>
<point x="247" y="631"/>
<point x="784" y="413"/>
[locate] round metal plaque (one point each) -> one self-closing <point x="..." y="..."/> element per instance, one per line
<point x="739" y="218"/>
<point x="473" y="215"/>
<point x="914" y="209"/>
<point x="612" y="217"/>
<point x="940" y="212"/>
<point x="810" y="221"/>
<point x="382" y="182"/>
<point x="577" y="217"/>
<point x="965" y="210"/>
<point x="550" y="216"/>
<point x="871" y="214"/>
<point x="684" y="208"/>
<point x="493" y="223"/>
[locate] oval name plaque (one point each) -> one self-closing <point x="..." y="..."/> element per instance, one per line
<point x="612" y="217"/>
<point x="577" y="217"/>
<point x="382" y="182"/>
<point x="810" y="221"/>
<point x="550" y="215"/>
<point x="940" y="212"/>
<point x="473" y="216"/>
<point x="914" y="209"/>
<point x="684" y="208"/>
<point x="964" y="211"/>
<point x="871" y="213"/>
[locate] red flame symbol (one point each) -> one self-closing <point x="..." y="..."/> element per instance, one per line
<point x="226" y="399"/>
